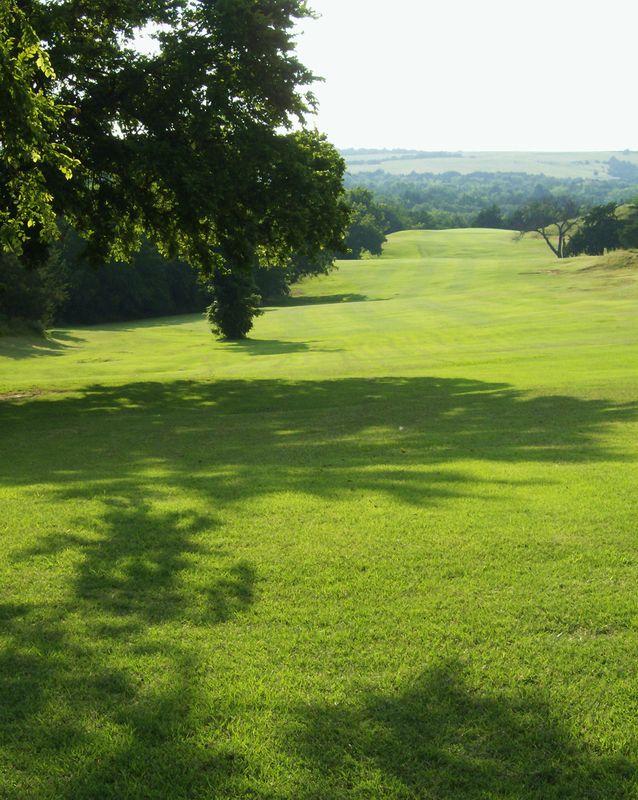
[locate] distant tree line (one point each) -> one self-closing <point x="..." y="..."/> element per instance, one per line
<point x="395" y="152"/>
<point x="625" y="170"/>
<point x="480" y="199"/>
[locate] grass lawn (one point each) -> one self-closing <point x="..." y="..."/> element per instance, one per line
<point x="386" y="548"/>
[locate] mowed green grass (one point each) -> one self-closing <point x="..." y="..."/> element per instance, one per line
<point x="557" y="165"/>
<point x="386" y="548"/>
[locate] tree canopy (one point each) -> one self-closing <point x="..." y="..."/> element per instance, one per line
<point x="30" y="148"/>
<point x="192" y="146"/>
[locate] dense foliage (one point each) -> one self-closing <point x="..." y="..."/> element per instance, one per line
<point x="235" y="303"/>
<point x="67" y="288"/>
<point x="370" y="221"/>
<point x="32" y="296"/>
<point x="148" y="286"/>
<point x="490" y="217"/>
<point x="30" y="146"/>
<point x="598" y="231"/>
<point x="82" y="291"/>
<point x="605" y="228"/>
<point x="625" y="170"/>
<point x="629" y="227"/>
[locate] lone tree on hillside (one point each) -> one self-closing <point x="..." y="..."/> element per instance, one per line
<point x="191" y="146"/>
<point x="553" y="219"/>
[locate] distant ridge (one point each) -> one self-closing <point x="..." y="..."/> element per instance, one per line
<point x="603" y="165"/>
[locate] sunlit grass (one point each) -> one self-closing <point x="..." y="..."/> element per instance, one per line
<point x="386" y="548"/>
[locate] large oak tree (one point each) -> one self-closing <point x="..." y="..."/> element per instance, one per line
<point x="199" y="146"/>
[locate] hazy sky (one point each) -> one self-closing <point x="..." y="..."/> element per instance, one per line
<point x="468" y="75"/>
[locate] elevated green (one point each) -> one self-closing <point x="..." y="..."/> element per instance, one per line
<point x="384" y="549"/>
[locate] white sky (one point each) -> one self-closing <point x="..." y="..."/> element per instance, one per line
<point x="472" y="75"/>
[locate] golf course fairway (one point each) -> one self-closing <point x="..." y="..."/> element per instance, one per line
<point x="387" y="547"/>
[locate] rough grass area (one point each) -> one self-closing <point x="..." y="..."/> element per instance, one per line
<point x="624" y="259"/>
<point x="386" y="548"/>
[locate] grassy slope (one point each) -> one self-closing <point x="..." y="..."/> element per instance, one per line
<point x="559" y="165"/>
<point x="387" y="548"/>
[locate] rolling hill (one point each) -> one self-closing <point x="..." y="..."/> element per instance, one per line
<point x="558" y="165"/>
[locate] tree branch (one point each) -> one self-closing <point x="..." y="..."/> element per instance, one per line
<point x="547" y="241"/>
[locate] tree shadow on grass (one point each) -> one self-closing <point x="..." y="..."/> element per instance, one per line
<point x="239" y="439"/>
<point x="54" y="343"/>
<point x="109" y="665"/>
<point x="151" y="322"/>
<point x="133" y="565"/>
<point x="105" y="716"/>
<point x="445" y="738"/>
<point x="273" y="347"/>
<point x="324" y="299"/>
<point x="225" y="442"/>
<point x="104" y="682"/>
<point x="65" y="337"/>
